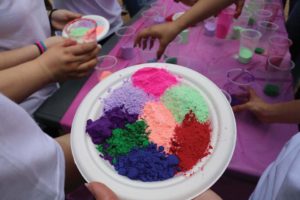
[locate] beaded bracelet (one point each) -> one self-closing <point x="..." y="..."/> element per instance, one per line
<point x="41" y="46"/>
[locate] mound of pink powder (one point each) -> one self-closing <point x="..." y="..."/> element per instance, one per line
<point x="161" y="123"/>
<point x="153" y="80"/>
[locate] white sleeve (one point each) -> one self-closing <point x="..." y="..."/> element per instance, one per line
<point x="281" y="180"/>
<point x="32" y="163"/>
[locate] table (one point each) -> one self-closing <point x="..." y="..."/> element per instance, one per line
<point x="257" y="145"/>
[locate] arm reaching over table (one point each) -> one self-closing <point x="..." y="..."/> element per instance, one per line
<point x="199" y="11"/>
<point x="285" y="112"/>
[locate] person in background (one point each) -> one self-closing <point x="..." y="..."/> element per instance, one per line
<point x="109" y="9"/>
<point x="25" y="23"/>
<point x="281" y="180"/>
<point x="199" y="11"/>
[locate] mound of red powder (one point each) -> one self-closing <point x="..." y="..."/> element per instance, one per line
<point x="191" y="141"/>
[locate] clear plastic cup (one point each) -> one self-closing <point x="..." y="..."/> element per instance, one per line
<point x="149" y="17"/>
<point x="126" y="35"/>
<point x="267" y="29"/>
<point x="275" y="8"/>
<point x="105" y="66"/>
<point x="159" y="8"/>
<point x="262" y="15"/>
<point x="224" y="21"/>
<point x="251" y="6"/>
<point x="278" y="72"/>
<point x="248" y="42"/>
<point x="278" y="45"/>
<point x="227" y="95"/>
<point x="81" y="30"/>
<point x="238" y="82"/>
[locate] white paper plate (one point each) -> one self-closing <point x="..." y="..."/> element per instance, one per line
<point x="93" y="168"/>
<point x="101" y="21"/>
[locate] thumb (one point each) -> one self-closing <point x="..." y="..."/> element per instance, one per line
<point x="101" y="191"/>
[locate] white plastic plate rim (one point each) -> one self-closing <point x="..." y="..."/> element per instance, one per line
<point x="181" y="187"/>
<point x="100" y="21"/>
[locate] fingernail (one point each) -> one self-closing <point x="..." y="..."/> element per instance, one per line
<point x="99" y="46"/>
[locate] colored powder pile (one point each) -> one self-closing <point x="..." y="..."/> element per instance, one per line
<point x="80" y="31"/>
<point x="161" y="123"/>
<point x="147" y="164"/>
<point x="153" y="80"/>
<point x="124" y="140"/>
<point x="131" y="98"/>
<point x="181" y="99"/>
<point x="191" y="141"/>
<point x="100" y="129"/>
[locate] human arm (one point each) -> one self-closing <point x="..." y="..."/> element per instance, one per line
<point x="285" y="112"/>
<point x="166" y="32"/>
<point x="59" y="18"/>
<point x="63" y="61"/>
<point x="101" y="191"/>
<point x="208" y="195"/>
<point x="18" y="56"/>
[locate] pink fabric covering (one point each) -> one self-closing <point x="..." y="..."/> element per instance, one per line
<point x="257" y="144"/>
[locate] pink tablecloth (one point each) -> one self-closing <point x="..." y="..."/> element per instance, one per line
<point x="257" y="144"/>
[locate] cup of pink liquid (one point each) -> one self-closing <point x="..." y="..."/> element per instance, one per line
<point x="238" y="82"/>
<point x="81" y="30"/>
<point x="224" y="22"/>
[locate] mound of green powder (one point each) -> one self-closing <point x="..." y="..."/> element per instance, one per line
<point x="181" y="99"/>
<point x="124" y="140"/>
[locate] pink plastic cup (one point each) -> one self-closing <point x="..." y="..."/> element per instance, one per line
<point x="224" y="22"/>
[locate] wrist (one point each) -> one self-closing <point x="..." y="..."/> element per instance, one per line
<point x="42" y="71"/>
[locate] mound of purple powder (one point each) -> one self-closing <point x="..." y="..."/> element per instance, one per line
<point x="131" y="98"/>
<point x="101" y="129"/>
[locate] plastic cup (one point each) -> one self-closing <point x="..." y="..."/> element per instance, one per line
<point x="149" y="17"/>
<point x="238" y="81"/>
<point x="126" y="36"/>
<point x="227" y="95"/>
<point x="81" y="30"/>
<point x="210" y="27"/>
<point x="267" y="29"/>
<point x="224" y="22"/>
<point x="105" y="66"/>
<point x="159" y="8"/>
<point x="252" y="6"/>
<point x="248" y="42"/>
<point x="278" y="72"/>
<point x="262" y="15"/>
<point x="274" y="8"/>
<point x="278" y="45"/>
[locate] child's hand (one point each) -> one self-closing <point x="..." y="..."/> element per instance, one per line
<point x="239" y="7"/>
<point x="257" y="106"/>
<point x="69" y="60"/>
<point x="52" y="41"/>
<point x="165" y="33"/>
<point x="61" y="17"/>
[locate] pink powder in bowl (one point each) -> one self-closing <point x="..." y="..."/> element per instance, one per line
<point x="161" y="123"/>
<point x="153" y="80"/>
